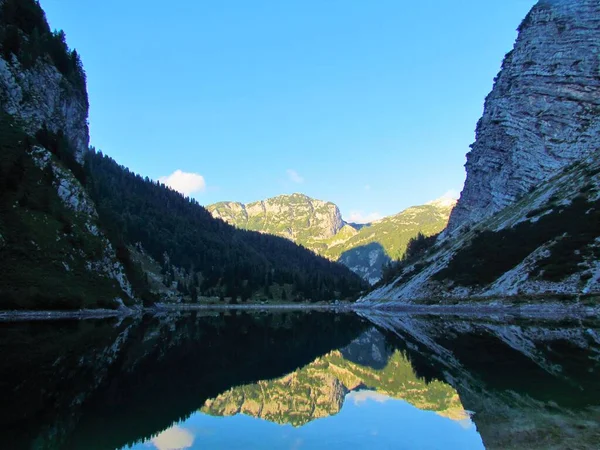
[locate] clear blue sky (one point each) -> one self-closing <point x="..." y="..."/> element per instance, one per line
<point x="369" y="104"/>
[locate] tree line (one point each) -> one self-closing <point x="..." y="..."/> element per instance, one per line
<point x="216" y="258"/>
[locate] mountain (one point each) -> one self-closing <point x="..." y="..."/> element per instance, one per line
<point x="542" y="114"/>
<point x="377" y="244"/>
<point x="528" y="218"/>
<point x="318" y="225"/>
<point x="296" y="217"/>
<point x="53" y="252"/>
<point x="77" y="230"/>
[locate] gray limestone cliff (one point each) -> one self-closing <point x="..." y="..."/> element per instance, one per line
<point x="526" y="221"/>
<point x="297" y="217"/>
<point x="35" y="91"/>
<point x="544" y="110"/>
<point x="41" y="95"/>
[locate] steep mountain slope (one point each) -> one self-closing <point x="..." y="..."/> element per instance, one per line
<point x="377" y="244"/>
<point x="53" y="253"/>
<point x="78" y="230"/>
<point x="42" y="81"/>
<point x="202" y="256"/>
<point x="318" y="226"/>
<point x="528" y="218"/>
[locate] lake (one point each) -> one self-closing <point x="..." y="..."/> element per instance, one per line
<point x="300" y="380"/>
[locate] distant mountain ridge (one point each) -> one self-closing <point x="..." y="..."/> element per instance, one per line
<point x="318" y="225"/>
<point x="296" y="217"/>
<point x="380" y="242"/>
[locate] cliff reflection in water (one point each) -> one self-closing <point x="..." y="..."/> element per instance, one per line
<point x="306" y="379"/>
<point x="319" y="389"/>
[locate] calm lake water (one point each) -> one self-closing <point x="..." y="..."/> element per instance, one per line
<point x="297" y="380"/>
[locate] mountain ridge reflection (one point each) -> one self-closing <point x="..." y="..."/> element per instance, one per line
<point x="318" y="389"/>
<point x="70" y="382"/>
<point x="162" y="379"/>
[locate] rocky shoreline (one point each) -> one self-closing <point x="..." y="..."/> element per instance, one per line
<point x="13" y="316"/>
<point x="548" y="310"/>
<point x="535" y="310"/>
<point x="84" y="314"/>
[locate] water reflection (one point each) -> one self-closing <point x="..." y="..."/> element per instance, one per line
<point x="531" y="384"/>
<point x="367" y="420"/>
<point x="174" y="438"/>
<point x="319" y="389"/>
<point x="295" y="380"/>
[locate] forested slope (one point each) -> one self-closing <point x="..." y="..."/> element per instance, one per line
<point x="203" y="255"/>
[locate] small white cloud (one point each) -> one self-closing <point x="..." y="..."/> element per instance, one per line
<point x="185" y="182"/>
<point x="362" y="217"/>
<point x="367" y="187"/>
<point x="174" y="438"/>
<point x="294" y="176"/>
<point x="362" y="396"/>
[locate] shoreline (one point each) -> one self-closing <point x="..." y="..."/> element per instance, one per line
<point x="90" y="314"/>
<point x="540" y="310"/>
<point x="80" y="314"/>
<point x="550" y="310"/>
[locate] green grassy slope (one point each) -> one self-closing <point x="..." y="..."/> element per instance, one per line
<point x="394" y="232"/>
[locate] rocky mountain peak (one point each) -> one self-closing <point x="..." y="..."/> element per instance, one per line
<point x="295" y="216"/>
<point x="443" y="202"/>
<point x="543" y="112"/>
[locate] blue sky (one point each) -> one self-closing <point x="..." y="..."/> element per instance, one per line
<point x="369" y="104"/>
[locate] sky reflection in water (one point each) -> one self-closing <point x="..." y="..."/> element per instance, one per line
<point x="367" y="420"/>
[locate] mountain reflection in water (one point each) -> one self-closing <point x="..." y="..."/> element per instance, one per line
<point x="299" y="380"/>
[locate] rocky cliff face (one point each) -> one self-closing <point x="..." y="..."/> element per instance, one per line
<point x="296" y="217"/>
<point x="526" y="222"/>
<point x="35" y="91"/>
<point x="41" y="95"/>
<point x="548" y="243"/>
<point x="544" y="110"/>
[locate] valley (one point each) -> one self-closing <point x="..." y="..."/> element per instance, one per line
<point x="525" y="224"/>
<point x="140" y="311"/>
<point x="318" y="226"/>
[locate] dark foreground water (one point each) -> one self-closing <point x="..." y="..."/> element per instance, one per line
<point x="299" y="381"/>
